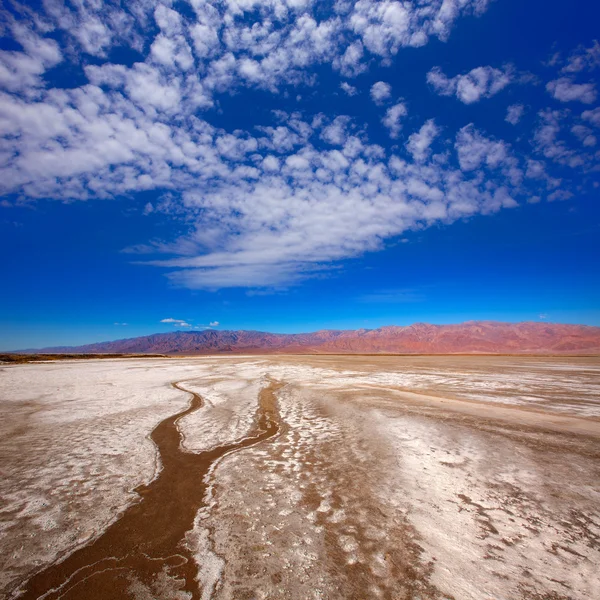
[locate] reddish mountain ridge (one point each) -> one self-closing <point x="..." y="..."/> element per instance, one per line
<point x="486" y="337"/>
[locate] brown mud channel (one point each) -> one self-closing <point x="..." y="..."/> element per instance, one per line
<point x="148" y="539"/>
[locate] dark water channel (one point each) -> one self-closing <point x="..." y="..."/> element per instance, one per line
<point x="147" y="540"/>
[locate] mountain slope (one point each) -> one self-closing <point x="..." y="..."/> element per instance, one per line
<point x="420" y="338"/>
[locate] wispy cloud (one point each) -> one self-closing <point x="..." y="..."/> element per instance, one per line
<point x="553" y="139"/>
<point x="392" y="296"/>
<point x="176" y="322"/>
<point x="211" y="325"/>
<point x="582" y="59"/>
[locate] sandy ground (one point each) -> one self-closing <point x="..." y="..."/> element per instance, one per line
<point x="388" y="477"/>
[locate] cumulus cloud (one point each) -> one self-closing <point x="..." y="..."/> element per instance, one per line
<point x="336" y="133"/>
<point x="214" y="324"/>
<point x="593" y="116"/>
<point x="565" y="89"/>
<point x="351" y="63"/>
<point x="349" y="89"/>
<point x="476" y="150"/>
<point x="380" y="92"/>
<point x="514" y="113"/>
<point x="482" y="82"/>
<point x="385" y="26"/>
<point x="218" y="41"/>
<point x="584" y="134"/>
<point x="419" y="143"/>
<point x="393" y="118"/>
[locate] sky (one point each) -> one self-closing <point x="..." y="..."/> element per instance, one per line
<point x="294" y="165"/>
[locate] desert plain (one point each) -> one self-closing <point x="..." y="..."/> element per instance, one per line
<point x="301" y="477"/>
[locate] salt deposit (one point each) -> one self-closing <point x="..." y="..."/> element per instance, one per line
<point x="428" y="477"/>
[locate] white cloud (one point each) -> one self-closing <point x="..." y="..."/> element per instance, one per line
<point x="419" y="143"/>
<point x="176" y="322"/>
<point x="584" y="135"/>
<point x="271" y="163"/>
<point x="583" y="59"/>
<point x="298" y="162"/>
<point x="482" y="82"/>
<point x="549" y="139"/>
<point x="385" y="26"/>
<point x="349" y="89"/>
<point x="565" y="90"/>
<point x="214" y="324"/>
<point x="283" y="39"/>
<point x="381" y="92"/>
<point x="263" y="210"/>
<point x="593" y="116"/>
<point x="336" y="133"/>
<point x="275" y="204"/>
<point x="393" y="118"/>
<point x="22" y="71"/>
<point x="475" y="150"/>
<point x="260" y="212"/>
<point x="560" y="195"/>
<point x="283" y="234"/>
<point x="514" y="113"/>
<point x="351" y="63"/>
<point x="536" y="169"/>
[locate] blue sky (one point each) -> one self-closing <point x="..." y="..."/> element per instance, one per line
<point x="289" y="165"/>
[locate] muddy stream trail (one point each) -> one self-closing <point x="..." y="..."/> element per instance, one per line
<point x="149" y="536"/>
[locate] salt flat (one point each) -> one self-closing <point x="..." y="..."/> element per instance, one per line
<point x="387" y="477"/>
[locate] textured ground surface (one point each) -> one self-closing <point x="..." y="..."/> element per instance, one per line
<point x="388" y="477"/>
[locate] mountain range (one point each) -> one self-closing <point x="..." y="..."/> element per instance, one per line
<point x="472" y="337"/>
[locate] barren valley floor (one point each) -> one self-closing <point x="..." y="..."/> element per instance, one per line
<point x="301" y="477"/>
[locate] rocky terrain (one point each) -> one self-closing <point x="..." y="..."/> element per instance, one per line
<point x="421" y="338"/>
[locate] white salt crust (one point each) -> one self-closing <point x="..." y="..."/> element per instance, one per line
<point x="352" y="480"/>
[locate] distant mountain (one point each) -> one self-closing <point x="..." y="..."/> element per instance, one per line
<point x="421" y="338"/>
